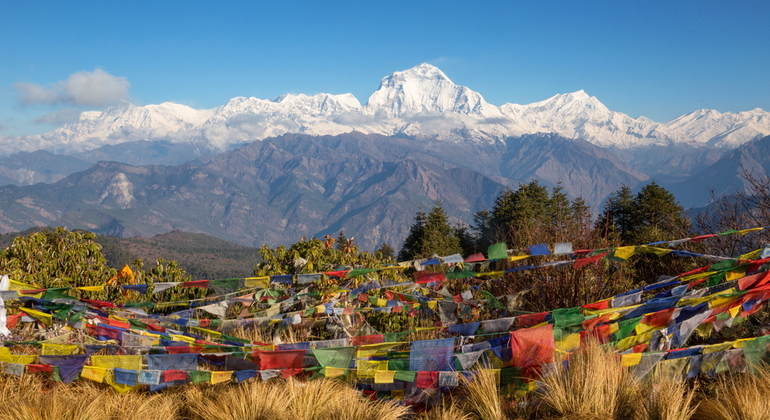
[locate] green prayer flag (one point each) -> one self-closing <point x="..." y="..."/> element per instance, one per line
<point x="460" y="274"/>
<point x="199" y="376"/>
<point x="337" y="357"/>
<point x="723" y="265"/>
<point x="358" y="272"/>
<point x="395" y="336"/>
<point x="405" y="375"/>
<point x="626" y="327"/>
<point x="497" y="251"/>
<point x="567" y="317"/>
<point x="492" y="300"/>
<point x="398" y="364"/>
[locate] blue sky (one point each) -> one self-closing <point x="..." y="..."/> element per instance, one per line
<point x="659" y="59"/>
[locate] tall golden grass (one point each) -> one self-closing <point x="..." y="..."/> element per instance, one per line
<point x="594" y="387"/>
<point x="483" y="395"/>
<point x="738" y="397"/>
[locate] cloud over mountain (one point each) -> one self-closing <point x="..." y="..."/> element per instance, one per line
<point x="91" y="89"/>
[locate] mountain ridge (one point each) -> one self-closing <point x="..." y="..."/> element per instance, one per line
<point x="421" y="102"/>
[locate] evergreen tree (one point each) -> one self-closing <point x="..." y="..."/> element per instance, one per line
<point x="341" y="240"/>
<point x="385" y="252"/>
<point x="652" y="215"/>
<point x="617" y="219"/>
<point x="531" y="215"/>
<point x="430" y="235"/>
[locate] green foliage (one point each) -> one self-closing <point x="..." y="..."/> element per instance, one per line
<point x="652" y="215"/>
<point x="531" y="214"/>
<point x="430" y="235"/>
<point x="56" y="258"/>
<point x="314" y="256"/>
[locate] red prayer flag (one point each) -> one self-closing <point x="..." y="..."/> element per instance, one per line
<point x="184" y="349"/>
<point x="340" y="274"/>
<point x="659" y="319"/>
<point x="174" y="375"/>
<point x="600" y="334"/>
<point x="203" y="284"/>
<point x="585" y="261"/>
<point x="425" y="277"/>
<point x="426" y="379"/>
<point x="702" y="237"/>
<point x="532" y="346"/>
<point x="367" y="339"/>
<point x="756" y="280"/>
<point x="475" y="257"/>
<point x="281" y="359"/>
<point x="291" y="372"/>
<point x="34" y="368"/>
<point x="529" y="320"/>
<point x="604" y="304"/>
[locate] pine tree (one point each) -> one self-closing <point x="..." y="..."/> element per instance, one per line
<point x="430" y="235"/>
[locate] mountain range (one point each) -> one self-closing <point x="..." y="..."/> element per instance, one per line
<point x="270" y="171"/>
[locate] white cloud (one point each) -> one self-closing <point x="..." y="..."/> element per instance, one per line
<point x="62" y="116"/>
<point x="94" y="89"/>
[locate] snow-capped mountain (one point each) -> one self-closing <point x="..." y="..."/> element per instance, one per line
<point x="421" y="102"/>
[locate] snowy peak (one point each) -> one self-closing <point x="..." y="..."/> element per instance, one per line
<point x="425" y="88"/>
<point x="421" y="102"/>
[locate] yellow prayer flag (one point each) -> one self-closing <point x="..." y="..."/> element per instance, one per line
<point x="109" y="378"/>
<point x="745" y="231"/>
<point x="219" y="377"/>
<point x="642" y="328"/>
<point x="99" y="288"/>
<point x="630" y="359"/>
<point x="384" y="376"/>
<point x="368" y="368"/>
<point x="257" y="282"/>
<point x="624" y="252"/>
<point x="184" y="338"/>
<point x="517" y="257"/>
<point x="751" y="255"/>
<point x="45" y="318"/>
<point x="432" y="304"/>
<point x="58" y="349"/>
<point x="333" y="372"/>
<point x="368" y="350"/>
<point x="125" y="273"/>
<point x="696" y="276"/>
<point x="93" y="373"/>
<point x="735" y="274"/>
<point x="17" y="285"/>
<point x="653" y="250"/>
<point x="569" y="342"/>
<point x="735" y="310"/>
<point x="381" y="302"/>
<point x="205" y="331"/>
<point x="7" y="357"/>
<point x="713" y="348"/>
<point x="130" y="362"/>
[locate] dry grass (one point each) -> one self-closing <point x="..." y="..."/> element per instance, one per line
<point x="738" y="397"/>
<point x="445" y="411"/>
<point x="594" y="387"/>
<point x="62" y="401"/>
<point x="249" y="401"/>
<point x="483" y="395"/>
<point x="141" y="406"/>
<point x="667" y="399"/>
<point x="290" y="399"/>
